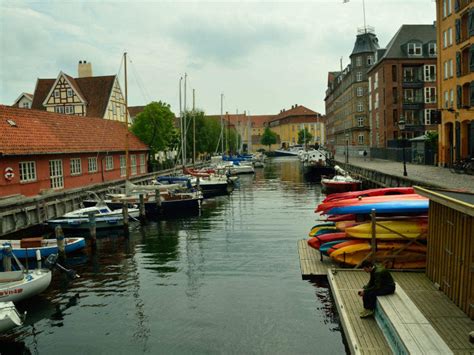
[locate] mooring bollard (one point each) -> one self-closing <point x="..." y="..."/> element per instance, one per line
<point x="7" y="257"/>
<point x="142" y="208"/>
<point x="58" y="231"/>
<point x="92" y="228"/>
<point x="38" y="258"/>
<point x="125" y="215"/>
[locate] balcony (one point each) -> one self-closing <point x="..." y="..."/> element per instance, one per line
<point x="410" y="104"/>
<point x="412" y="83"/>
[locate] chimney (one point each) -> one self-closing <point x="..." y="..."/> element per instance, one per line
<point x="84" y="69"/>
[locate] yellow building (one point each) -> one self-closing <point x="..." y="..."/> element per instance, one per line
<point x="86" y="95"/>
<point x="288" y="123"/>
<point x="455" y="36"/>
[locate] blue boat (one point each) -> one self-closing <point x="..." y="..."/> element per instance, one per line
<point x="24" y="250"/>
<point x="390" y="207"/>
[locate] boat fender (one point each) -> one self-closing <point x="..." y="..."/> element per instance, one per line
<point x="9" y="174"/>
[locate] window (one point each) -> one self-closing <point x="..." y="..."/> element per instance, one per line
<point x="27" y="171"/>
<point x="446" y="99"/>
<point x="370" y="85"/>
<point x="428" y="116"/>
<point x="408" y="96"/>
<point x="394" y="73"/>
<point x="358" y="61"/>
<point x="445" y="39"/>
<point x="114" y="110"/>
<point x="432" y="49"/>
<point x="376" y="81"/>
<point x="376" y="102"/>
<point x="26" y="105"/>
<point x="414" y="49"/>
<point x="92" y="164"/>
<point x="69" y="110"/>
<point x="370" y="60"/>
<point x="450" y="36"/>
<point x="123" y="165"/>
<point x="69" y="93"/>
<point x="56" y="93"/>
<point x="109" y="162"/>
<point x="451" y="98"/>
<point x="360" y="121"/>
<point x="445" y="8"/>
<point x="133" y="164"/>
<point x="76" y="166"/>
<point x="360" y="139"/>
<point x="449" y="7"/>
<point x="360" y="106"/>
<point x="59" y="109"/>
<point x="370" y="102"/>
<point x="430" y="95"/>
<point x="56" y="174"/>
<point x="430" y="72"/>
<point x="450" y="65"/>
<point x="359" y="76"/>
<point x="360" y="91"/>
<point x="446" y="71"/>
<point x="143" y="163"/>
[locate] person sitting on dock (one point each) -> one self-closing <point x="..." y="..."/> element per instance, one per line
<point x="380" y="283"/>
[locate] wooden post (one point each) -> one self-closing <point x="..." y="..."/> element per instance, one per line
<point x="125" y="214"/>
<point x="374" y="236"/>
<point x="92" y="228"/>
<point x="58" y="231"/>
<point x="142" y="208"/>
<point x="7" y="257"/>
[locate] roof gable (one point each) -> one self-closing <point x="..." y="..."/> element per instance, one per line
<point x="70" y="82"/>
<point x="40" y="132"/>
<point x="26" y="95"/>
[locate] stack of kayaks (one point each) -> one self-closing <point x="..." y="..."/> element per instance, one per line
<point x="400" y="231"/>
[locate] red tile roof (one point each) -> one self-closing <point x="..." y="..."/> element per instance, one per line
<point x="260" y="120"/>
<point x="135" y="110"/>
<point x="40" y="132"/>
<point x="95" y="90"/>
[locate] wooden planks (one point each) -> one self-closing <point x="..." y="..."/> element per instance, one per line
<point x="310" y="263"/>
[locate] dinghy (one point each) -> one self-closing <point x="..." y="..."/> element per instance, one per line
<point x="9" y="316"/>
<point x="27" y="247"/>
<point x="19" y="285"/>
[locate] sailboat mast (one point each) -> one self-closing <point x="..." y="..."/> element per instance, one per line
<point x="222" y="124"/>
<point x="184" y="122"/>
<point x="127" y="171"/>
<point x="194" y="129"/>
<point x="181" y="122"/>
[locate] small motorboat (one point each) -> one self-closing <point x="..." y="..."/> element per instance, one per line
<point x="27" y="247"/>
<point x="9" y="316"/>
<point x="341" y="182"/>
<point x="101" y="210"/>
<point x="22" y="284"/>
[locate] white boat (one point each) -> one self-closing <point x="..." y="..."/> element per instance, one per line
<point x="19" y="285"/>
<point x="293" y="151"/>
<point x="9" y="316"/>
<point x="101" y="210"/>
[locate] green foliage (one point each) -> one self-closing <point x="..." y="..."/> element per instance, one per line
<point x="268" y="137"/>
<point x="304" y="136"/>
<point x="432" y="139"/>
<point x="155" y="127"/>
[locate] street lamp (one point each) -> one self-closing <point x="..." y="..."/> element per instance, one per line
<point x="401" y="126"/>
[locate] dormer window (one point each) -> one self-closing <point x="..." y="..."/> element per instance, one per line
<point x="432" y="49"/>
<point x="414" y="49"/>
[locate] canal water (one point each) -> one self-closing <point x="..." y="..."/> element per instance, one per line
<point x="226" y="282"/>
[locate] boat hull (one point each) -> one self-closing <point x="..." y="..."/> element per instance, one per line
<point x="339" y="186"/>
<point x="49" y="246"/>
<point x="9" y="316"/>
<point x="32" y="283"/>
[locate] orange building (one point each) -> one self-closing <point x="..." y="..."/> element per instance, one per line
<point x="455" y="35"/>
<point x="42" y="151"/>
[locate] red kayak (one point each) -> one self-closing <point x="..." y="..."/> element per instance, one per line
<point x="316" y="242"/>
<point x="326" y="206"/>
<point x="371" y="192"/>
<point x="341" y="217"/>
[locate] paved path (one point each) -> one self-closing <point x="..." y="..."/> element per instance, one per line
<point x="433" y="175"/>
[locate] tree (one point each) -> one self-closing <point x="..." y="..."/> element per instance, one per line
<point x="268" y="137"/>
<point x="155" y="127"/>
<point x="304" y="136"/>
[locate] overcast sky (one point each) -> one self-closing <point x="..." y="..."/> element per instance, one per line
<point x="262" y="55"/>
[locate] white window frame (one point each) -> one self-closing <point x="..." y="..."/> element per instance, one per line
<point x="360" y="106"/>
<point x="56" y="174"/>
<point x="415" y="49"/>
<point x="143" y="163"/>
<point x="451" y="98"/>
<point x="445" y="39"/>
<point x="123" y="165"/>
<point x="450" y="36"/>
<point x="59" y="109"/>
<point x="451" y="68"/>
<point x="26" y="104"/>
<point x="370" y="102"/>
<point x="75" y="166"/>
<point x="56" y="93"/>
<point x="376" y="102"/>
<point x="69" y="109"/>
<point x="428" y="112"/>
<point x="69" y="93"/>
<point x="133" y="164"/>
<point x="109" y="162"/>
<point x="446" y="70"/>
<point x="429" y="71"/>
<point x="92" y="164"/>
<point x="27" y="171"/>
<point x="360" y="121"/>
<point x="360" y="139"/>
<point x="370" y="84"/>
<point x="446" y="99"/>
<point x="430" y="95"/>
<point x="449" y="7"/>
<point x="432" y="50"/>
<point x="360" y="91"/>
<point x="359" y="76"/>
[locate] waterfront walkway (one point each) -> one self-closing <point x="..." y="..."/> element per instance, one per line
<point x="424" y="174"/>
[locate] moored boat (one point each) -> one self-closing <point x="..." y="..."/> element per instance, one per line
<point x="27" y="247"/>
<point x="19" y="285"/>
<point x="9" y="316"/>
<point x="341" y="182"/>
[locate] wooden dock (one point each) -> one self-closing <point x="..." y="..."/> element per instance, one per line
<point x="364" y="336"/>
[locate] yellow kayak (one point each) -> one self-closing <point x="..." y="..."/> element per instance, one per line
<point x="413" y="257"/>
<point x="314" y="231"/>
<point x="409" y="229"/>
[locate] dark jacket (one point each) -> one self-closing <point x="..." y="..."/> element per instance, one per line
<point x="380" y="278"/>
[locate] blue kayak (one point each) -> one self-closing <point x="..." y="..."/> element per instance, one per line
<point x="399" y="207"/>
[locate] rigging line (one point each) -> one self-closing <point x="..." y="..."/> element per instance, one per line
<point x="140" y="83"/>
